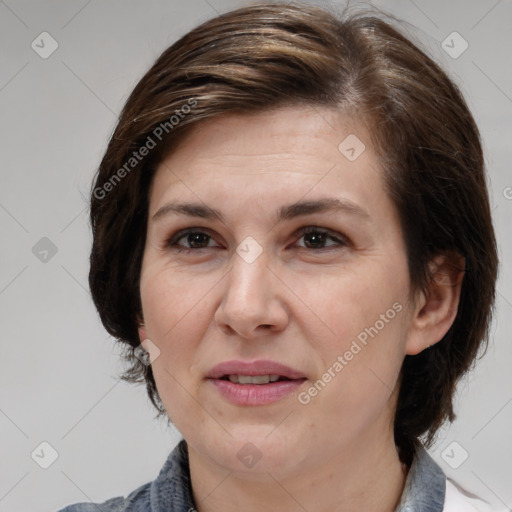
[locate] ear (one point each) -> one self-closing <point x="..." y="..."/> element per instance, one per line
<point x="142" y="330"/>
<point x="142" y="333"/>
<point x="437" y="308"/>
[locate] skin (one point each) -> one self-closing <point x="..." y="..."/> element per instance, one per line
<point x="297" y="303"/>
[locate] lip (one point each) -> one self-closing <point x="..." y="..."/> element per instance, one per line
<point x="258" y="367"/>
<point x="255" y="394"/>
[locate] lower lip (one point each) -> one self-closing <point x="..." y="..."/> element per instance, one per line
<point x="256" y="394"/>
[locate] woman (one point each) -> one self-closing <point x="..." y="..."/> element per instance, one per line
<point x="292" y="235"/>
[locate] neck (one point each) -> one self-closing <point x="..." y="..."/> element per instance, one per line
<point x="367" y="475"/>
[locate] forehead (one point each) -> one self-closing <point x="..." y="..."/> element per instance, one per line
<point x="299" y="130"/>
<point x="292" y="151"/>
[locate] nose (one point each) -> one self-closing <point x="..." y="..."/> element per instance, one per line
<point x="252" y="304"/>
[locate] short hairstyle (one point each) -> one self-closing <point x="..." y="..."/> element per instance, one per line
<point x="267" y="56"/>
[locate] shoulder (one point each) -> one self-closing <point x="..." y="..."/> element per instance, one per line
<point x="427" y="488"/>
<point x="459" y="500"/>
<point x="136" y="501"/>
<point x="171" y="491"/>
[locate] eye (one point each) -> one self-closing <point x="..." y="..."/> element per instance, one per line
<point x="315" y="239"/>
<point x="194" y="237"/>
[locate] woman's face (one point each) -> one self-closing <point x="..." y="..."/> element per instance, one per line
<point x="250" y="290"/>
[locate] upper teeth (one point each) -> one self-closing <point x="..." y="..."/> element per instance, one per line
<point x="253" y="379"/>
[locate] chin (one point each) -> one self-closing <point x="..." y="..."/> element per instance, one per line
<point x="252" y="449"/>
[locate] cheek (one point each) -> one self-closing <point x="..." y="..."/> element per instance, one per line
<point x="360" y="371"/>
<point x="175" y="318"/>
<point x="350" y="302"/>
<point x="366" y="313"/>
<point x="168" y="298"/>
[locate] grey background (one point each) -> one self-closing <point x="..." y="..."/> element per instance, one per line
<point x="58" y="366"/>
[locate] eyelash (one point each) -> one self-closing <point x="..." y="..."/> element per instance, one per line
<point x="172" y="241"/>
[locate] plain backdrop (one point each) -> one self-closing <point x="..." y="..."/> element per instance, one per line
<point x="59" y="369"/>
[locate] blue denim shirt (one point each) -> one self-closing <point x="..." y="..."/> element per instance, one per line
<point x="171" y="491"/>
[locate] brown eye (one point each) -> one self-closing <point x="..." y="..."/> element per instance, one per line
<point x="197" y="239"/>
<point x="193" y="239"/>
<point x="316" y="238"/>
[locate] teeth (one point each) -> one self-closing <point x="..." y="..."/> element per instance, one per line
<point x="253" y="379"/>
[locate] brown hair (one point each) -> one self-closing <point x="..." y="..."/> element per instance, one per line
<point x="267" y="56"/>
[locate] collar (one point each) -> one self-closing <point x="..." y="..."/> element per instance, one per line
<point x="425" y="485"/>
<point x="171" y="491"/>
<point x="424" y="489"/>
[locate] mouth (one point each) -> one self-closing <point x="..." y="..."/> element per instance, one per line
<point x="261" y="368"/>
<point x="254" y="379"/>
<point x="255" y="383"/>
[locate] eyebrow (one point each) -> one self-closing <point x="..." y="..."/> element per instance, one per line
<point x="286" y="212"/>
